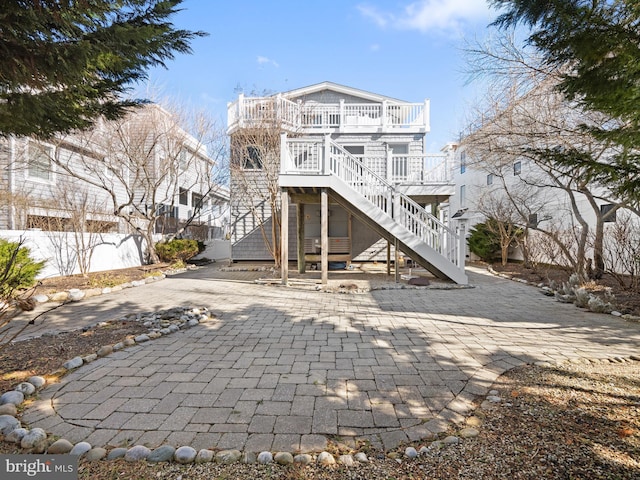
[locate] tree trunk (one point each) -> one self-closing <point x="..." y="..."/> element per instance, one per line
<point x="147" y="234"/>
<point x="598" y="247"/>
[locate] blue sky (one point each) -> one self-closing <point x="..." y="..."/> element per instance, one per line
<point x="405" y="49"/>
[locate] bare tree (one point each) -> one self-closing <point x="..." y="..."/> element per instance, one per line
<point x="523" y="115"/>
<point x="147" y="164"/>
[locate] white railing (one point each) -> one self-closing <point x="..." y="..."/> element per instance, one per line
<point x="329" y="158"/>
<point x="296" y="116"/>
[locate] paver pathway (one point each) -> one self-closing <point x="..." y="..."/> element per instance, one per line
<point x="284" y="369"/>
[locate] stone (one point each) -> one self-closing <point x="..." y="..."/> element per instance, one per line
<point x="37" y="381"/>
<point x="249" y="457"/>
<point x="14" y="397"/>
<point x="128" y="342"/>
<point x="35" y="440"/>
<point x="193" y="323"/>
<point x="451" y="440"/>
<point x="265" y="457"/>
<point x="94" y="454"/>
<point x="325" y="458"/>
<point x="419" y="281"/>
<point x="154" y="335"/>
<point x="494" y="399"/>
<point x="494" y="392"/>
<point x="75" y="362"/>
<point x="75" y="294"/>
<point x="8" y="423"/>
<point x="80" y="449"/>
<point x="303" y="459"/>
<point x="163" y="453"/>
<point x="116" y="453"/>
<point x="137" y="283"/>
<point x="142" y="338"/>
<point x="346" y="460"/>
<point x="410" y="452"/>
<point x="137" y="453"/>
<point x="205" y="456"/>
<point x="228" y="456"/>
<point x="17" y="435"/>
<point x="616" y="313"/>
<point x="8" y="409"/>
<point x="185" y="455"/>
<point x="60" y="447"/>
<point x="41" y="298"/>
<point x="469" y="432"/>
<point x="474" y="421"/>
<point x="59" y="297"/>
<point x="92" y="357"/>
<point x="106" y="290"/>
<point x="361" y="457"/>
<point x="104" y="351"/>
<point x="92" y="292"/>
<point x="283" y="458"/>
<point x="25" y="388"/>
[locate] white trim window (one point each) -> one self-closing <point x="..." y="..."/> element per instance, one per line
<point x="39" y="164"/>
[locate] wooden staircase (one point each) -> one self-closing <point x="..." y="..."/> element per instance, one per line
<point x="396" y="217"/>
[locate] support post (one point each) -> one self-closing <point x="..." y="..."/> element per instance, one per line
<point x="300" y="235"/>
<point x="284" y="235"/>
<point x="324" y="235"/>
<point x="462" y="245"/>
<point x="396" y="261"/>
<point x="388" y="258"/>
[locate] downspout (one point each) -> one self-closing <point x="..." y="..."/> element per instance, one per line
<point x="11" y="175"/>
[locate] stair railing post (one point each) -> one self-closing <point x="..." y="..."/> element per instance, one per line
<point x="284" y="153"/>
<point x="326" y="158"/>
<point x="462" y="241"/>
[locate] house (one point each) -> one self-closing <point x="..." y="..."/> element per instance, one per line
<point x="332" y="173"/>
<point x="141" y="175"/>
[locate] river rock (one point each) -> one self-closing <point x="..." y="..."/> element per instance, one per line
<point x="26" y="388"/>
<point x="60" y="447"/>
<point x="75" y="362"/>
<point x="265" y="457"/>
<point x="137" y="453"/>
<point x="303" y="459"/>
<point x="116" y="453"/>
<point x="14" y="397"/>
<point x="94" y="454"/>
<point x="205" y="456"/>
<point x="8" y="409"/>
<point x="228" y="456"/>
<point x="16" y="435"/>
<point x="35" y="440"/>
<point x="325" y="458"/>
<point x="163" y="453"/>
<point x="283" y="458"/>
<point x="79" y="449"/>
<point x="346" y="460"/>
<point x="185" y="455"/>
<point x="8" y="423"/>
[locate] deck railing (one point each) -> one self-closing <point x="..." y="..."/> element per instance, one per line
<point x="329" y="158"/>
<point x="299" y="116"/>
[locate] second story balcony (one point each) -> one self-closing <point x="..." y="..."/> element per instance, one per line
<point x="315" y="117"/>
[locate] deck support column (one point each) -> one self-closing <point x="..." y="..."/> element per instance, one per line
<point x="284" y="235"/>
<point x="397" y="260"/>
<point x="324" y="235"/>
<point x="388" y="258"/>
<point x="300" y="235"/>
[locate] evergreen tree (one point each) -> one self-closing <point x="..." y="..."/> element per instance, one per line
<point x="64" y="63"/>
<point x="595" y="47"/>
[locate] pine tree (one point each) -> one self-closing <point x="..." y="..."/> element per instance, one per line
<point x="595" y="45"/>
<point x="64" y="63"/>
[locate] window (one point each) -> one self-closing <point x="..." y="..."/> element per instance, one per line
<point x="399" y="161"/>
<point x="183" y="196"/>
<point x="608" y="212"/>
<point x="252" y="158"/>
<point x="463" y="191"/>
<point x="490" y="179"/>
<point x="463" y="162"/>
<point x="196" y="201"/>
<point x="182" y="159"/>
<point x="517" y="168"/>
<point x="39" y="163"/>
<point x="355" y="150"/>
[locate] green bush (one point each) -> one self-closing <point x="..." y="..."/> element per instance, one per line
<point x="17" y="269"/>
<point x="484" y="243"/>
<point x="177" y="249"/>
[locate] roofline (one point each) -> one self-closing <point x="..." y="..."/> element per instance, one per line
<point x="342" y="89"/>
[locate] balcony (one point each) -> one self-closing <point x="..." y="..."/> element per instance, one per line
<point x="298" y="117"/>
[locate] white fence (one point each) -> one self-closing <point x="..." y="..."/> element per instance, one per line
<point x="62" y="252"/>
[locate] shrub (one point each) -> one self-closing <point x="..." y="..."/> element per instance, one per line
<point x="177" y="249"/>
<point x="17" y="269"/>
<point x="484" y="243"/>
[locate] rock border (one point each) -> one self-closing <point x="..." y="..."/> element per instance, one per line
<point x="549" y="292"/>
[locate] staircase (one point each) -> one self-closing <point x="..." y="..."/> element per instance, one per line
<point x="323" y="163"/>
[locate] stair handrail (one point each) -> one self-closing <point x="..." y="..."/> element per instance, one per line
<point x="400" y="207"/>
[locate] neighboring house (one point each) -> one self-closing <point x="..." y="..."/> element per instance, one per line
<point x="139" y="174"/>
<point x="354" y="167"/>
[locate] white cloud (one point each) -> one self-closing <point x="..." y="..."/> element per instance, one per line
<point x="265" y="60"/>
<point x="430" y="15"/>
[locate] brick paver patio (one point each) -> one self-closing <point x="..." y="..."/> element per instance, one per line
<point x="285" y="368"/>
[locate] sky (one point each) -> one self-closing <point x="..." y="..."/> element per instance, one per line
<point x="410" y="50"/>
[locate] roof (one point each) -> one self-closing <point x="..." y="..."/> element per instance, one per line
<point x="335" y="87"/>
